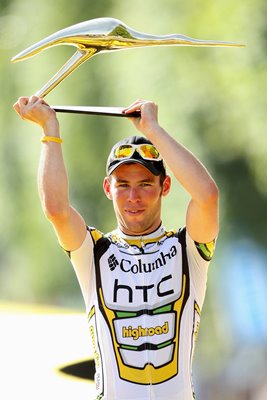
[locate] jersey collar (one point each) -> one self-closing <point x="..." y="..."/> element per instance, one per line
<point x="157" y="234"/>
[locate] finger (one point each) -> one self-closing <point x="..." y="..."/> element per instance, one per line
<point x="135" y="106"/>
<point x="16" y="107"/>
<point x="23" y="101"/>
<point x="139" y="103"/>
<point x="20" y="103"/>
<point x="33" y="99"/>
<point x="42" y="101"/>
<point x="130" y="110"/>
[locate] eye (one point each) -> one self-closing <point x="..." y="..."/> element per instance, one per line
<point x="122" y="185"/>
<point x="146" y="184"/>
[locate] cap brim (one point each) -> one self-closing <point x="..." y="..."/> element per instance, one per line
<point x="147" y="164"/>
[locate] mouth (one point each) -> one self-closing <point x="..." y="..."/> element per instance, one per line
<point x="134" y="212"/>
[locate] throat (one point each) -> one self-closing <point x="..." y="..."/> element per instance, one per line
<point x="143" y="238"/>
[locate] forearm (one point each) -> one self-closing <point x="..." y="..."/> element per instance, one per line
<point x="52" y="176"/>
<point x="202" y="217"/>
<point x="187" y="169"/>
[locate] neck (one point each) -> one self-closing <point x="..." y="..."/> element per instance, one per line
<point x="149" y="233"/>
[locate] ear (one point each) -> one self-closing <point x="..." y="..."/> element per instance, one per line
<point x="166" y="185"/>
<point x="106" y="187"/>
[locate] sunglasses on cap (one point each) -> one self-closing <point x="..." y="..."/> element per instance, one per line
<point x="146" y="151"/>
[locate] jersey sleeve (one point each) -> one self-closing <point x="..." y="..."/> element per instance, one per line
<point x="82" y="261"/>
<point x="199" y="256"/>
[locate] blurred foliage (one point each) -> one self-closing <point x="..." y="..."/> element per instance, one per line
<point x="211" y="99"/>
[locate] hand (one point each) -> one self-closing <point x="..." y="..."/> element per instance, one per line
<point x="148" y="121"/>
<point x="36" y="110"/>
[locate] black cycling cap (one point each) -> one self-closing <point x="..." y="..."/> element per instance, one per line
<point x="156" y="167"/>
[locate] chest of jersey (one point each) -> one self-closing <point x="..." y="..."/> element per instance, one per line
<point x="132" y="281"/>
<point x="141" y="294"/>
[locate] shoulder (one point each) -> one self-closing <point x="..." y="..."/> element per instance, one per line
<point x="92" y="237"/>
<point x="95" y="234"/>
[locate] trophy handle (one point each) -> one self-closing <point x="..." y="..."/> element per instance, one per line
<point x="108" y="111"/>
<point x="74" y="62"/>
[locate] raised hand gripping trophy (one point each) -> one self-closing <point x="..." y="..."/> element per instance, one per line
<point x="98" y="36"/>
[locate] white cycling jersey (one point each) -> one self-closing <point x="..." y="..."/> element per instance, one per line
<point x="143" y="297"/>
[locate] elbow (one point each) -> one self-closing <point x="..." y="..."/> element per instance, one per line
<point x="54" y="211"/>
<point x="212" y="194"/>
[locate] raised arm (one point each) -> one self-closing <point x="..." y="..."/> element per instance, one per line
<point x="52" y="176"/>
<point x="202" y="220"/>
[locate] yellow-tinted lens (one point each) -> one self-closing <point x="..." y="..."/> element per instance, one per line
<point x="124" y="151"/>
<point x="148" y="151"/>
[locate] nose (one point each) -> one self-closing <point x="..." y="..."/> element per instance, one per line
<point x="133" y="195"/>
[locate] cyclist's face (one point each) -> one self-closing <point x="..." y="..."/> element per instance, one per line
<point x="136" y="194"/>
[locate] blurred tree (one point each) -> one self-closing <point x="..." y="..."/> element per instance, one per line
<point x="213" y="100"/>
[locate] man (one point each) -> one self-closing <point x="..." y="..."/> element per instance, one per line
<point x="143" y="286"/>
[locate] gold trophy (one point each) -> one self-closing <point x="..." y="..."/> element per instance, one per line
<point x="97" y="36"/>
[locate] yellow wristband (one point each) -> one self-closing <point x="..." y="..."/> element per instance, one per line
<point x="51" y="139"/>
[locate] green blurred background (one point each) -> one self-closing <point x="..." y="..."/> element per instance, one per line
<point x="211" y="99"/>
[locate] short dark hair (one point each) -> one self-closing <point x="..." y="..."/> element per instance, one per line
<point x="162" y="177"/>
